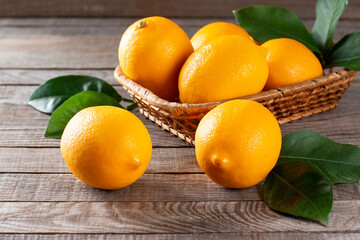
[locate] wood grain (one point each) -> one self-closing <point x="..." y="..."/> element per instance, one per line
<point x="85" y="46"/>
<point x="125" y="8"/>
<point x="35" y="77"/>
<point x="18" y="95"/>
<point x="45" y="52"/>
<point x="52" y="28"/>
<point x="106" y="23"/>
<point x="196" y="236"/>
<point x="49" y="160"/>
<point x="165" y="217"/>
<point x="150" y="187"/>
<point x="112" y="25"/>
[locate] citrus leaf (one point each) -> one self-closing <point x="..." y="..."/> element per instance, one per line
<point x="299" y="189"/>
<point x="339" y="162"/>
<point x="51" y="94"/>
<point x="327" y="17"/>
<point x="264" y="23"/>
<point x="70" y="107"/>
<point x="346" y="53"/>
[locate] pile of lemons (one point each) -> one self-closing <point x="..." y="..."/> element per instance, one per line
<point x="236" y="144"/>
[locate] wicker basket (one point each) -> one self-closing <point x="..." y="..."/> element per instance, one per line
<point x="287" y="103"/>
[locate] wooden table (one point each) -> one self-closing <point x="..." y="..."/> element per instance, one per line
<point x="40" y="198"/>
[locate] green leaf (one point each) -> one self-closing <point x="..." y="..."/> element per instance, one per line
<point x="299" y="189"/>
<point x="346" y="53"/>
<point x="339" y="162"/>
<point x="264" y="23"/>
<point x="73" y="105"/>
<point x="327" y="17"/>
<point x="55" y="91"/>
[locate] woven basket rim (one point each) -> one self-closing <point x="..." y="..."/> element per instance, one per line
<point x="176" y="107"/>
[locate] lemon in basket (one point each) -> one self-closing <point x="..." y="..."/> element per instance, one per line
<point x="227" y="67"/>
<point x="215" y="30"/>
<point x="151" y="53"/>
<point x="290" y="62"/>
<point x="106" y="147"/>
<point x="238" y="143"/>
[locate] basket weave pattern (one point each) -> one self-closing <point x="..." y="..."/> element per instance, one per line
<point x="287" y="103"/>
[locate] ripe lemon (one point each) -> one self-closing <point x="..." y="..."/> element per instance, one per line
<point x="215" y="30"/>
<point x="106" y="147"/>
<point x="151" y="53"/>
<point x="238" y="143"/>
<point x="290" y="62"/>
<point x="227" y="67"/>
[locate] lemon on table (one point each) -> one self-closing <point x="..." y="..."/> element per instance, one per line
<point x="106" y="147"/>
<point x="238" y="143"/>
<point x="215" y="30"/>
<point x="227" y="67"/>
<point x="151" y="53"/>
<point x="290" y="62"/>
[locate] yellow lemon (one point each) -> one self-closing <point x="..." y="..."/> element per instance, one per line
<point x="106" y="147"/>
<point x="238" y="143"/>
<point x="227" y="67"/>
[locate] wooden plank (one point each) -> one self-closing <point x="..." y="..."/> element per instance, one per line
<point x="86" y="47"/>
<point x="23" y="126"/>
<point x="37" y="77"/>
<point x="107" y="23"/>
<point x="150" y="187"/>
<point x="112" y="25"/>
<point x="165" y="217"/>
<point x="115" y="27"/>
<point x="125" y="8"/>
<point x="45" y="52"/>
<point x="204" y="236"/>
<point x="69" y="27"/>
<point x="49" y="160"/>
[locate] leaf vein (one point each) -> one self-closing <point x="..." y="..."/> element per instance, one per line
<point x="301" y="193"/>
<point x="320" y="159"/>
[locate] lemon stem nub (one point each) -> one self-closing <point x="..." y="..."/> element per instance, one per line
<point x="219" y="162"/>
<point x="134" y="164"/>
<point x="142" y="24"/>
